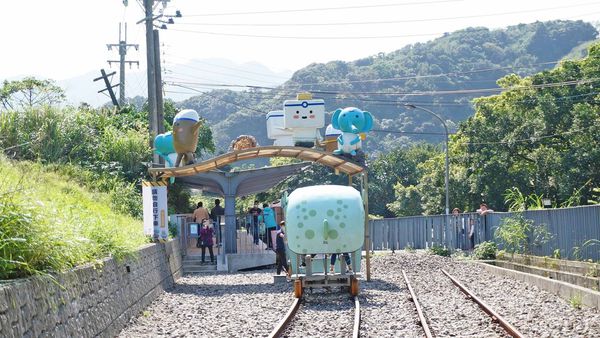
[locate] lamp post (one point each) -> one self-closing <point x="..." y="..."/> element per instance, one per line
<point x="412" y="106"/>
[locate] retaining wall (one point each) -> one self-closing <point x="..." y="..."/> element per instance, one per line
<point x="90" y="301"/>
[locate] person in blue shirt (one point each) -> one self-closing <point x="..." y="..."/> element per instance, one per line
<point x="268" y="218"/>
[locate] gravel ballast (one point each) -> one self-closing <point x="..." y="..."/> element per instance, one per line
<point x="250" y="305"/>
<point x="323" y="314"/>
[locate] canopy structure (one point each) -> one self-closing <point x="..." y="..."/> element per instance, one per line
<point x="205" y="175"/>
<point x="337" y="163"/>
<point x="242" y="183"/>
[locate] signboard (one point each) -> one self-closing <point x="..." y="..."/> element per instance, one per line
<point x="154" y="195"/>
<point x="194" y="229"/>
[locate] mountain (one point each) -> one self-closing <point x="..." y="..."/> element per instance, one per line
<point x="212" y="70"/>
<point x="451" y="66"/>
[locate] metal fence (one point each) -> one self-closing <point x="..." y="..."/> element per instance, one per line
<point x="570" y="229"/>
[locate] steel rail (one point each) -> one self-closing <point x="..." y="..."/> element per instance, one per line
<point x="289" y="316"/>
<point x="283" y="323"/>
<point x="511" y="330"/>
<point x="356" y="330"/>
<point x="418" y="306"/>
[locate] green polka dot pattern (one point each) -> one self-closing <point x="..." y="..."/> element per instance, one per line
<point x="327" y="219"/>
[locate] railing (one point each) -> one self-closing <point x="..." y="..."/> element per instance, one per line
<point x="570" y="227"/>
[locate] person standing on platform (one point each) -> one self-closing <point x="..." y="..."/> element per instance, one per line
<point x="255" y="211"/>
<point x="268" y="218"/>
<point x="206" y="240"/>
<point x="200" y="214"/>
<point x="280" y="250"/>
<point x="216" y="213"/>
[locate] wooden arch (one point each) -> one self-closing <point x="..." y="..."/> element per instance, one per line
<point x="337" y="163"/>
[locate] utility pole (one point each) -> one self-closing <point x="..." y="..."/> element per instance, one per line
<point x="108" y="85"/>
<point x="155" y="92"/>
<point x="151" y="69"/>
<point x="160" y="107"/>
<point x="123" y="46"/>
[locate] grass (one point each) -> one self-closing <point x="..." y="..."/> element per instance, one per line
<point x="49" y="223"/>
<point x="576" y="301"/>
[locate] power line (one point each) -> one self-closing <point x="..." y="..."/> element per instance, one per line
<point x="220" y="99"/>
<point x="531" y="139"/>
<point x="408" y="132"/>
<point x="418" y="93"/>
<point x="409" y="77"/>
<point x="354" y="23"/>
<point x="320" y="37"/>
<point x="225" y="67"/>
<point x="450" y="74"/>
<point x="326" y="8"/>
<point x="221" y="73"/>
<point x="307" y="37"/>
<point x="381" y="102"/>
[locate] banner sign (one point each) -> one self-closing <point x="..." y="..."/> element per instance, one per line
<point x="156" y="217"/>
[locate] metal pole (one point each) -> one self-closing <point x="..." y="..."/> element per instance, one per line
<point x="153" y="128"/>
<point x="122" y="53"/>
<point x="159" y="88"/>
<point x="446" y="179"/>
<point x="367" y="230"/>
<point x="113" y="98"/>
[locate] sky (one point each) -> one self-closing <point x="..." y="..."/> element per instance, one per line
<point x="59" y="39"/>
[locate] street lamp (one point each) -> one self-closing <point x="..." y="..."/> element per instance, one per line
<point x="412" y="106"/>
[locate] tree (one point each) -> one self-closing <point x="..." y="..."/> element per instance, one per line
<point x="536" y="136"/>
<point x="399" y="168"/>
<point x="29" y="93"/>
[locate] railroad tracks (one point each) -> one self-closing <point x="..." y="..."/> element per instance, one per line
<point x="279" y="330"/>
<point x="495" y="317"/>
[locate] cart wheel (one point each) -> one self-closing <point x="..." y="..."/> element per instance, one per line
<point x="354" y="286"/>
<point x="298" y="288"/>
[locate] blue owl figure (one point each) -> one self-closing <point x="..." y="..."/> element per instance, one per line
<point x="352" y="122"/>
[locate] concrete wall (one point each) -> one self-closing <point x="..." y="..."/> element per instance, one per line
<point x="236" y="262"/>
<point x="90" y="301"/>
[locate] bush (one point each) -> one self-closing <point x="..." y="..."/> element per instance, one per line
<point x="517" y="234"/>
<point x="48" y="223"/>
<point x="485" y="250"/>
<point x="439" y="250"/>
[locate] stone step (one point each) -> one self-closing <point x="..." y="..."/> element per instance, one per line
<point x="196" y="257"/>
<point x="198" y="263"/>
<point x="195" y="269"/>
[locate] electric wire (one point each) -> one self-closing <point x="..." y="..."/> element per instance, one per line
<point x="220" y="73"/>
<point x="225" y="67"/>
<point x="419" y="93"/>
<point x="354" y="23"/>
<point x="324" y="8"/>
<point x="526" y="140"/>
<point x="295" y="37"/>
<point x="320" y="37"/>
<point x="222" y="100"/>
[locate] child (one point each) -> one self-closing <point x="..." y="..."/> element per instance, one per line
<point x="346" y="258"/>
<point x="206" y="240"/>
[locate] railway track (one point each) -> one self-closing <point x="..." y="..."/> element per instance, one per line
<point x="495" y="317"/>
<point x="287" y="321"/>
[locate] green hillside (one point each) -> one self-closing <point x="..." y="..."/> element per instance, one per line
<point x="472" y="58"/>
<point x="48" y="222"/>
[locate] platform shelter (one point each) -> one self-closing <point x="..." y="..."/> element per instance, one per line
<point x="231" y="184"/>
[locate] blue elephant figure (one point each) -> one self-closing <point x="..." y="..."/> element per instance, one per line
<point x="351" y="121"/>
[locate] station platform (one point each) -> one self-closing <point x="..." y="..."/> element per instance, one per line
<point x="249" y="255"/>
